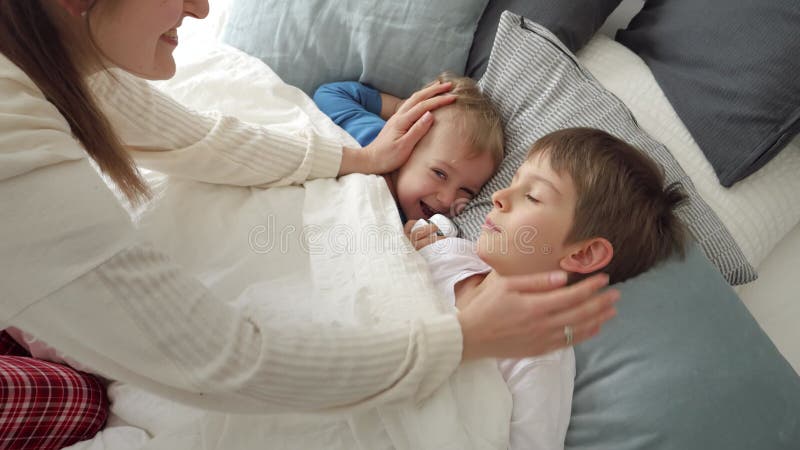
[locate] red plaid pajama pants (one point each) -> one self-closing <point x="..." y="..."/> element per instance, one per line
<point x="44" y="405"/>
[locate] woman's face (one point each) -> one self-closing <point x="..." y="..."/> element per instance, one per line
<point x="140" y="35"/>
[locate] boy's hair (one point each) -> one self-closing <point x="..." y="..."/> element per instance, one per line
<point x="621" y="197"/>
<point x="481" y="122"/>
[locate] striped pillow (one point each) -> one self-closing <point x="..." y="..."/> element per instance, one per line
<point x="538" y="86"/>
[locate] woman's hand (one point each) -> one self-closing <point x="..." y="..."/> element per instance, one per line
<point x="515" y="317"/>
<point x="392" y="147"/>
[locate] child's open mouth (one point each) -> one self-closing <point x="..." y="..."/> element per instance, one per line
<point x="427" y="211"/>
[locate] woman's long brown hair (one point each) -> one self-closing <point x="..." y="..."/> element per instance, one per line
<point x="31" y="41"/>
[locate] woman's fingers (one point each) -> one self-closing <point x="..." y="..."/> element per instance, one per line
<point x="416" y="132"/>
<point x="573" y="295"/>
<point x="413" y="115"/>
<point x="539" y="282"/>
<point x="590" y="329"/>
<point x="424" y="94"/>
<point x="581" y="331"/>
<point x="579" y="306"/>
<point x="394" y="144"/>
<point x="598" y="307"/>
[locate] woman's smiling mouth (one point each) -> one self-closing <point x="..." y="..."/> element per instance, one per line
<point x="171" y="37"/>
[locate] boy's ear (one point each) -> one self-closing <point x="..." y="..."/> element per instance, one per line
<point x="588" y="256"/>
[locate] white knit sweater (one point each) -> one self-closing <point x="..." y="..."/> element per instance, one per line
<point x="74" y="275"/>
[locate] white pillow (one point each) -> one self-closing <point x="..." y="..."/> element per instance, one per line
<point x="759" y="210"/>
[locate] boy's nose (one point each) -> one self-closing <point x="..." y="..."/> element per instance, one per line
<point x="499" y="199"/>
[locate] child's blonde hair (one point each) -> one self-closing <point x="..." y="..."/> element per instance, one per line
<point x="481" y="122"/>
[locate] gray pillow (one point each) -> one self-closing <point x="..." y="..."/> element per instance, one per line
<point x="730" y="69"/>
<point x="395" y="46"/>
<point x="683" y="366"/>
<point x="539" y="86"/>
<point x="573" y="21"/>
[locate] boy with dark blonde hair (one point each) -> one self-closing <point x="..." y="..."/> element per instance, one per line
<point x="584" y="202"/>
<point x="449" y="165"/>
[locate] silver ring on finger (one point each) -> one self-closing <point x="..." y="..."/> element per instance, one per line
<point x="568" y="334"/>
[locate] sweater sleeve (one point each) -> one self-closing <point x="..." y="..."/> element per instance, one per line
<point x="167" y="137"/>
<point x="354" y="107"/>
<point x="76" y="277"/>
<point x="139" y="319"/>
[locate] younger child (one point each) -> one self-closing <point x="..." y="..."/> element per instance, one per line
<point x="449" y="165"/>
<point x="583" y="202"/>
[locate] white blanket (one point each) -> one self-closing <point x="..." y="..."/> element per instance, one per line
<point x="331" y="252"/>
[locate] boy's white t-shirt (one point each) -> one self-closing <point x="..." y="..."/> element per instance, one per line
<point x="541" y="387"/>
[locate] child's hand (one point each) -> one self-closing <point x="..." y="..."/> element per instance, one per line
<point x="423" y="235"/>
<point x="392" y="147"/>
<point x="390" y="105"/>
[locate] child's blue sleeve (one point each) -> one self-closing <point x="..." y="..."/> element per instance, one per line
<point x="354" y="107"/>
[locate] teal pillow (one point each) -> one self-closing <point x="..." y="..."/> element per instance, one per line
<point x="394" y="46"/>
<point x="683" y="366"/>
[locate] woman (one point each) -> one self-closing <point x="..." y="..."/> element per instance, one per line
<point x="75" y="275"/>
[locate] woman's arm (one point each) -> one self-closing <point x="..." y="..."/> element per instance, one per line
<point x="75" y="277"/>
<point x="139" y="319"/>
<point x="167" y="137"/>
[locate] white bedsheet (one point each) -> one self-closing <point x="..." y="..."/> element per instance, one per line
<point x="331" y="253"/>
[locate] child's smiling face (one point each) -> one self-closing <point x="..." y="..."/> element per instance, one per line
<point x="526" y="230"/>
<point x="443" y="173"/>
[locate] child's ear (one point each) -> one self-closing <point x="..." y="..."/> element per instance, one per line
<point x="588" y="256"/>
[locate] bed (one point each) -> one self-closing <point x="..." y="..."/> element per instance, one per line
<point x="758" y="212"/>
